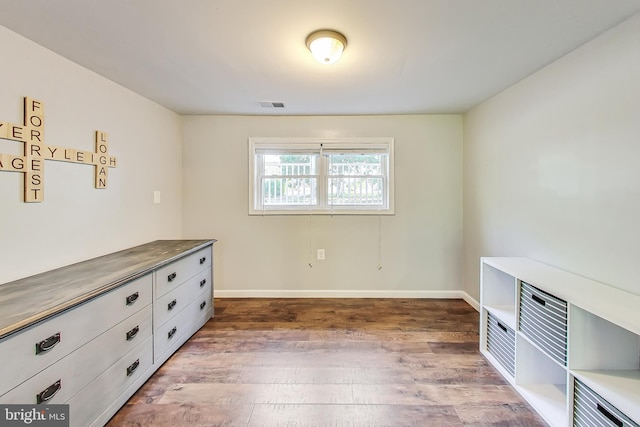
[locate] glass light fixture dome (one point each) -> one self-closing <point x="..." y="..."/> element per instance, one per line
<point x="326" y="46"/>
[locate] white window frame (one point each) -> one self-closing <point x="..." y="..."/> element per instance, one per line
<point x="318" y="145"/>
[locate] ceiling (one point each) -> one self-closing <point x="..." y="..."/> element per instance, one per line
<point x="402" y="57"/>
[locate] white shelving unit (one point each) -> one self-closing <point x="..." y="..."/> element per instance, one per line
<point x="552" y="311"/>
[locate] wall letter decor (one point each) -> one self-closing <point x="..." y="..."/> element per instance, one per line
<point x="35" y="152"/>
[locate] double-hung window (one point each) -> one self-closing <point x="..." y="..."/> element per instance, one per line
<point x="302" y="176"/>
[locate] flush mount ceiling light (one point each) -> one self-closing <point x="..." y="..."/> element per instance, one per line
<point x="326" y="46"/>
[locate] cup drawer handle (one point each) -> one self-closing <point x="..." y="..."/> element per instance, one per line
<point x="172" y="332"/>
<point x="203" y="282"/>
<point x="203" y="304"/>
<point x="537" y="299"/>
<point x="46" y="345"/>
<point x="203" y="260"/>
<point x="501" y="326"/>
<point x="171" y="277"/>
<point x="132" y="368"/>
<point x="48" y="393"/>
<point x="609" y="415"/>
<point x="171" y="305"/>
<point x="132" y="333"/>
<point x="132" y="298"/>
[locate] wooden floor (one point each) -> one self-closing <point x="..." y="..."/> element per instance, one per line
<point x="330" y="362"/>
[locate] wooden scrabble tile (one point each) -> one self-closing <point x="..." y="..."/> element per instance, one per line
<point x="4" y="130"/>
<point x="33" y="108"/>
<point x="17" y="133"/>
<point x="35" y="135"/>
<point x="102" y="176"/>
<point x="83" y="157"/>
<point x="53" y="153"/>
<point x="34" y="149"/>
<point x="68" y="155"/>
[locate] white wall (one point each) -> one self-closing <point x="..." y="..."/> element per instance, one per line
<point x="269" y="255"/>
<point x="551" y="166"/>
<point x="77" y="221"/>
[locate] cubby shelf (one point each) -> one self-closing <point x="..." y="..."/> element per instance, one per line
<point x="621" y="387"/>
<point x="549" y="400"/>
<point x="505" y="313"/>
<point x="567" y="328"/>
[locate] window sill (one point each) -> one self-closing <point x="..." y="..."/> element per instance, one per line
<point x="368" y="212"/>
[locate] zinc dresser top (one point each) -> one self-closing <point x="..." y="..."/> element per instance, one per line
<point x="27" y="301"/>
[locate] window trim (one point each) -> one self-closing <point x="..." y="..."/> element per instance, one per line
<point x="332" y="144"/>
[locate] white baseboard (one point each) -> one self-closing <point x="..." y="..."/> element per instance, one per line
<point x="260" y="293"/>
<point x="471" y="301"/>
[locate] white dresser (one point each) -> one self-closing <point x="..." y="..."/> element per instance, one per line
<point x="92" y="333"/>
<point x="569" y="345"/>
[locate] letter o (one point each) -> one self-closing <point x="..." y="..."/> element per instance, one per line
<point x="35" y="121"/>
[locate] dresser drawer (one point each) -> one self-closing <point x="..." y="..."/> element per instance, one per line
<point x="168" y="334"/>
<point x="501" y="343"/>
<point x="178" y="298"/>
<point x="30" y="351"/>
<point x="200" y="311"/>
<point x="543" y="319"/>
<point x="589" y="409"/>
<point x="66" y="377"/>
<point x="176" y="273"/>
<point x="89" y="403"/>
<point x="180" y="327"/>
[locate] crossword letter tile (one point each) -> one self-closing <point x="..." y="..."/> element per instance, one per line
<point x="17" y="133"/>
<point x="4" y="130"/>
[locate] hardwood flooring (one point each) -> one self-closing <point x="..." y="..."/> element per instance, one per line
<point x="330" y="362"/>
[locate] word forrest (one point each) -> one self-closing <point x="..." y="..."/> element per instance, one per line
<point x="35" y="152"/>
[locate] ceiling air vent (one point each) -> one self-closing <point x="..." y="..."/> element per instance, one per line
<point x="269" y="104"/>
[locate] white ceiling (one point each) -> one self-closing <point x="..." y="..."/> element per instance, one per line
<point x="403" y="56"/>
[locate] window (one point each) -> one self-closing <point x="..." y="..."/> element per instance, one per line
<point x="350" y="176"/>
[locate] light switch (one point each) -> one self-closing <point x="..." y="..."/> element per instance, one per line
<point x="156" y="197"/>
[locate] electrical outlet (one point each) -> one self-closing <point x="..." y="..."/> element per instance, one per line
<point x="320" y="254"/>
<point x="156" y="197"/>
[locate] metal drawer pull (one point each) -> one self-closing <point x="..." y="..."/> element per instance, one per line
<point x="609" y="415"/>
<point x="203" y="282"/>
<point x="132" y="368"/>
<point x="537" y="299"/>
<point x="202" y="260"/>
<point x="48" y="393"/>
<point x="203" y="304"/>
<point x="132" y="333"/>
<point x="171" y="305"/>
<point x="501" y="326"/>
<point x="172" y="332"/>
<point x="46" y="345"/>
<point x="132" y="298"/>
<point x="171" y="277"/>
